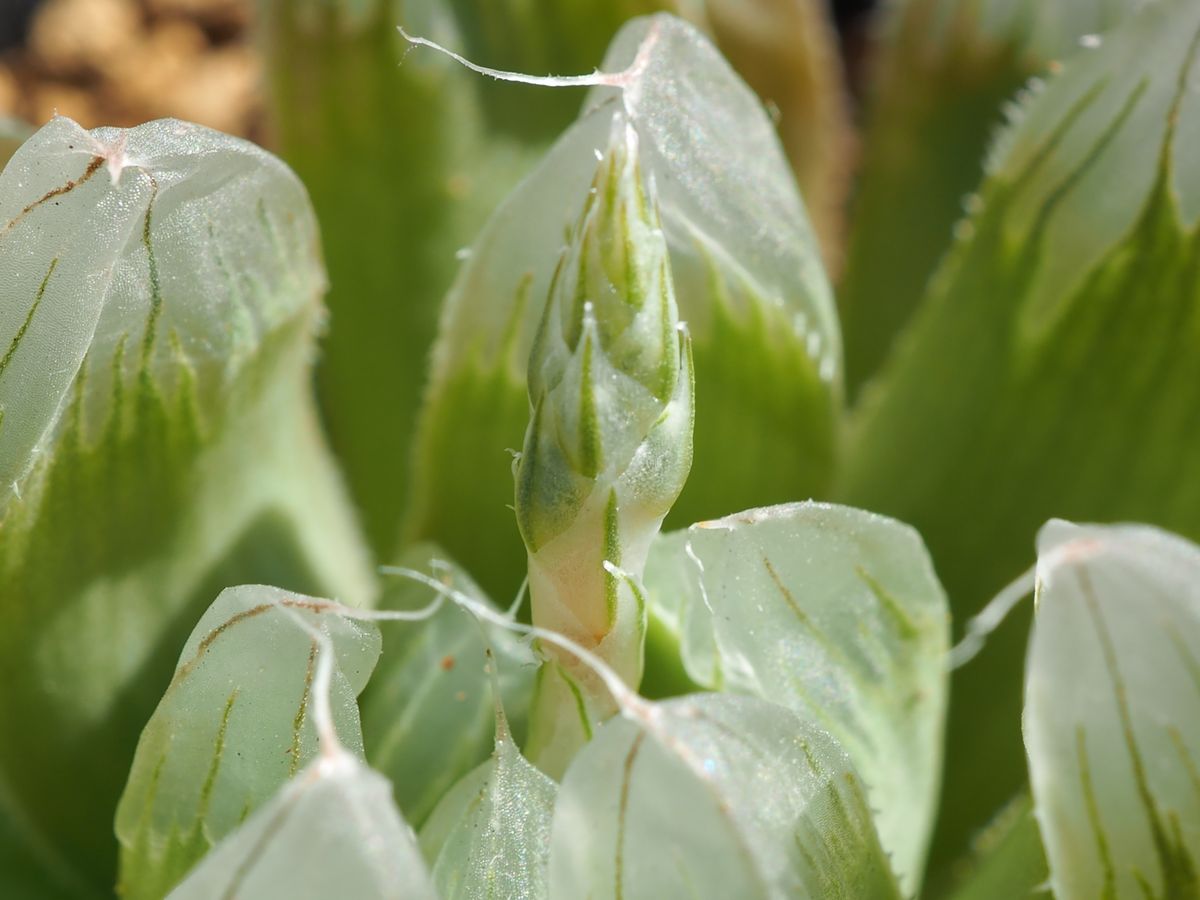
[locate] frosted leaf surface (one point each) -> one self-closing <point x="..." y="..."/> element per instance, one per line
<point x="834" y="613"/>
<point x="1112" y="710"/>
<point x="234" y="725"/>
<point x="139" y="250"/>
<point x="716" y="796"/>
<point x="490" y="835"/>
<point x="432" y="682"/>
<point x="333" y="831"/>
<point x="723" y="186"/>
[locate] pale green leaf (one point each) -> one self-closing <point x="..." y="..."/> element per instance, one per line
<point x="333" y="831"/>
<point x="715" y="796"/>
<point x="1006" y="861"/>
<point x="747" y="275"/>
<point x="490" y="835"/>
<point x="234" y="725"/>
<point x="159" y="293"/>
<point x="836" y="614"/>
<point x="428" y="714"/>
<point x="1112" y="711"/>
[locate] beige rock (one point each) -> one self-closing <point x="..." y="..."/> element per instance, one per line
<point x="221" y="92"/>
<point x="10" y="92"/>
<point x="77" y="37"/>
<point x="220" y="15"/>
<point x="53" y="98"/>
<point x="140" y="80"/>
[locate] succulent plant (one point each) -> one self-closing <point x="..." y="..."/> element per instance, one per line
<point x="726" y="682"/>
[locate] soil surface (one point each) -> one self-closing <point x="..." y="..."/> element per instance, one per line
<point x="122" y="62"/>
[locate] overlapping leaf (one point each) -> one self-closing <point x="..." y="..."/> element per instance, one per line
<point x="1112" y="711"/>
<point x="234" y="726"/>
<point x="836" y="614"/>
<point x="715" y="796"/>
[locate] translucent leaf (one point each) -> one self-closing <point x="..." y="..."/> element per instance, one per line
<point x="333" y="831"/>
<point x="428" y="713"/>
<point x="787" y="50"/>
<point x="159" y="292"/>
<point x="1055" y="368"/>
<point x="490" y="835"/>
<point x="715" y="796"/>
<point x="233" y="726"/>
<point x="836" y="614"/>
<point x="1112" y="711"/>
<point x="748" y="278"/>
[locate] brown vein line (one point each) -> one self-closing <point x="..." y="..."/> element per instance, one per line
<point x="208" y="639"/>
<point x="92" y="168"/>
<point x="1166" y="854"/>
<point x="214" y="766"/>
<point x="37" y="301"/>
<point x="1093" y="812"/>
<point x="302" y="710"/>
<point x="622" y="811"/>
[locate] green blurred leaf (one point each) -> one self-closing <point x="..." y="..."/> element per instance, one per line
<point x="787" y="51"/>
<point x="1006" y="861"/>
<point x="833" y="613"/>
<point x="428" y="713"/>
<point x="157" y="440"/>
<point x="715" y="796"/>
<point x="332" y="831"/>
<point x="943" y="76"/>
<point x="231" y="730"/>
<point x="1055" y="370"/>
<point x="749" y="283"/>
<point x="1112" y="711"/>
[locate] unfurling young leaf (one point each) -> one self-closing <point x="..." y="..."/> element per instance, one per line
<point x="748" y="281"/>
<point x="234" y="725"/>
<point x="608" y="448"/>
<point x="836" y="614"/>
<point x="715" y="796"/>
<point x="1112" y="711"/>
<point x="158" y="294"/>
<point x="1055" y="369"/>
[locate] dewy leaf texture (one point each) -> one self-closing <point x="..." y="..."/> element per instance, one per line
<point x="837" y="615"/>
<point x="715" y="796"/>
<point x="230" y="731"/>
